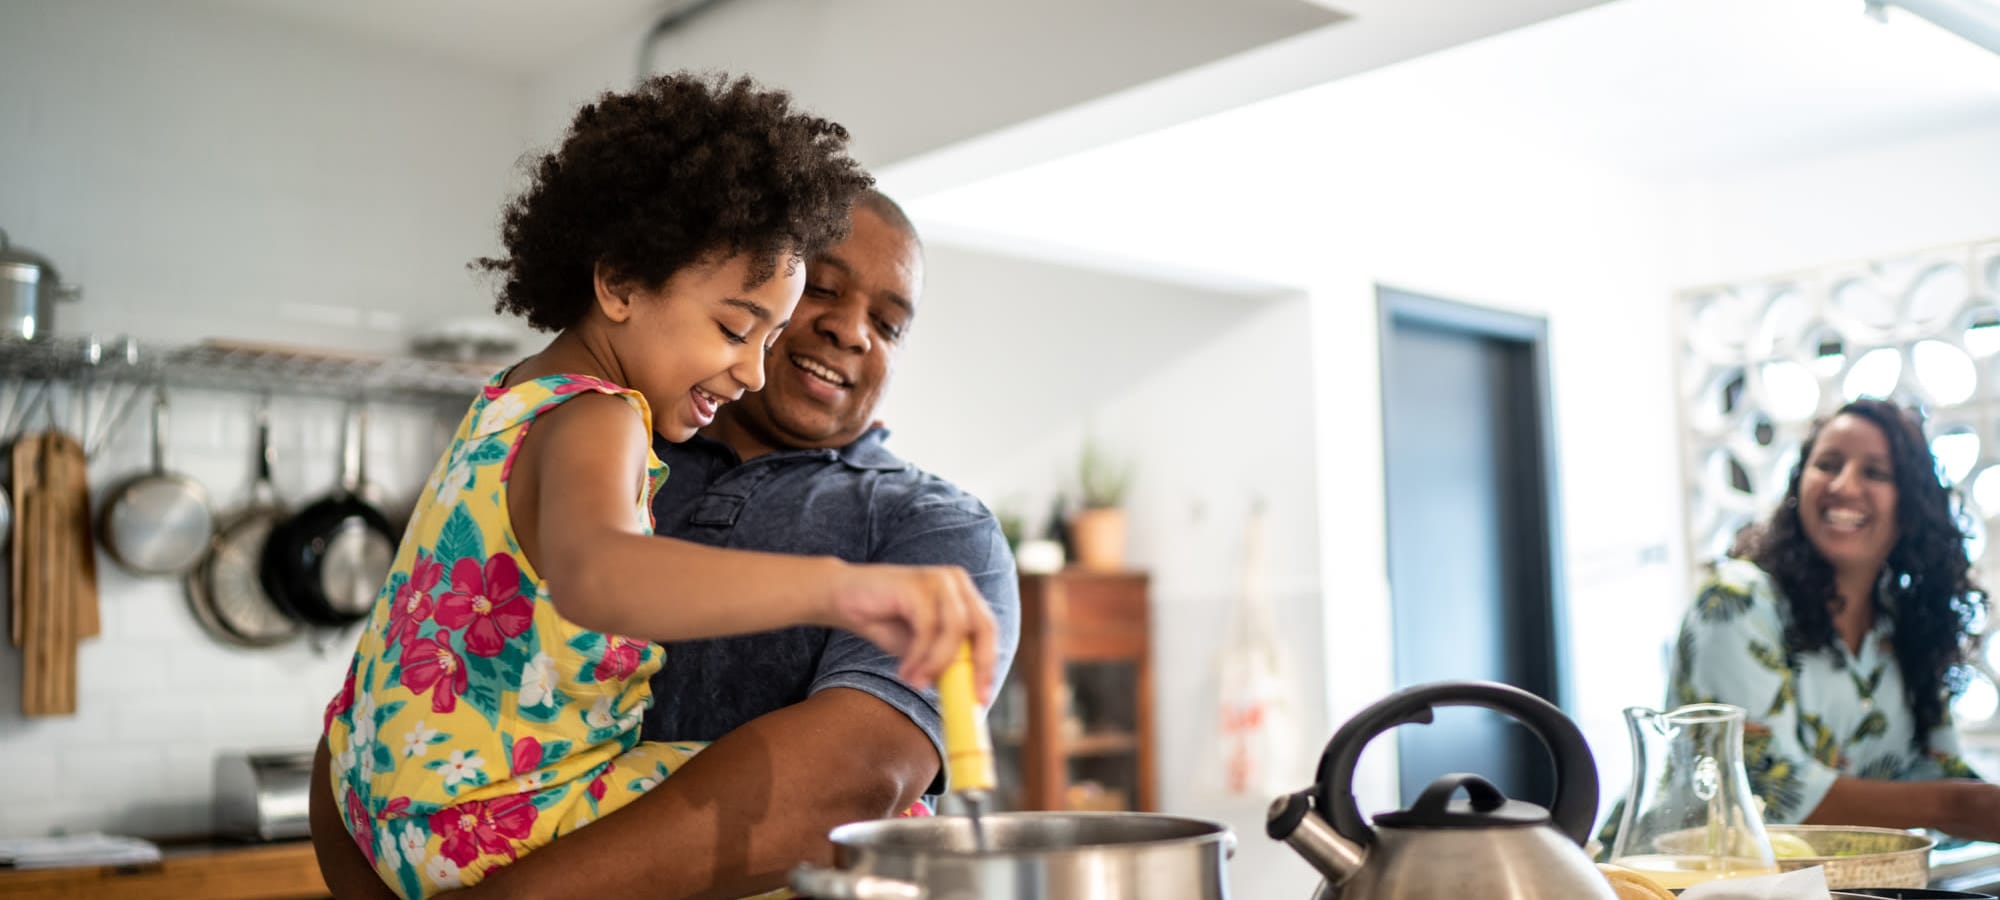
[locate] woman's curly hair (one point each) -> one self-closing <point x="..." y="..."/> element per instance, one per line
<point x="680" y="169"/>
<point x="1927" y="578"/>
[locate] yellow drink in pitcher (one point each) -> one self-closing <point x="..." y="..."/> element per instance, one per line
<point x="1676" y="872"/>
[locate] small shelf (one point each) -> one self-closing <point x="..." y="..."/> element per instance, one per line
<point x="248" y="367"/>
<point x="1102" y="743"/>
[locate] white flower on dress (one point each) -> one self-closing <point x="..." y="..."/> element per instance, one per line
<point x="364" y="722"/>
<point x="502" y="411"/>
<point x="533" y="781"/>
<point x="443" y="872"/>
<point x="464" y="765"/>
<point x="344" y="761"/>
<point x="538" y="681"/>
<point x="599" y="715"/>
<point x="646" y="783"/>
<point x="386" y="844"/>
<point x="413" y="844"/>
<point x="455" y="478"/>
<point x="417" y="741"/>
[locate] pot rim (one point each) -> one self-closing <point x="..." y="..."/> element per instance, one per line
<point x="1216" y="832"/>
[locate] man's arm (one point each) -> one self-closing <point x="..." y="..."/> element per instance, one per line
<point x="346" y="871"/>
<point x="744" y="811"/>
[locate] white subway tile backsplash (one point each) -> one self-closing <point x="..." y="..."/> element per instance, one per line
<point x="158" y="698"/>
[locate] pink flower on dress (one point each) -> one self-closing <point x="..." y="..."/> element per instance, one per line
<point x="341" y="702"/>
<point x="488" y="604"/>
<point x="526" y="755"/>
<point x="360" y="826"/>
<point x="597" y="784"/>
<point x="620" y="660"/>
<point x="474" y="827"/>
<point x="413" y="600"/>
<point x="428" y="664"/>
<point x="396" y="807"/>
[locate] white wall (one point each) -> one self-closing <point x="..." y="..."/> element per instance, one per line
<point x="206" y="173"/>
<point x="1012" y="361"/>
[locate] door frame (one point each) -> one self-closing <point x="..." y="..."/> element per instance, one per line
<point x="1394" y="305"/>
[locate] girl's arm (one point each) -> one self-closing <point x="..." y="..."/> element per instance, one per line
<point x="579" y="526"/>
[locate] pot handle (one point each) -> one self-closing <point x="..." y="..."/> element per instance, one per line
<point x="834" y="884"/>
<point x="1575" y="802"/>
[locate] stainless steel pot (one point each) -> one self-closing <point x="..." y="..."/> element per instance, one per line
<point x="29" y="292"/>
<point x="1028" y="856"/>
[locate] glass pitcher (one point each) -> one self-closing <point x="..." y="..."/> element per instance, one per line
<point x="1689" y="817"/>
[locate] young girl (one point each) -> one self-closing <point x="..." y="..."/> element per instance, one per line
<point x="494" y="699"/>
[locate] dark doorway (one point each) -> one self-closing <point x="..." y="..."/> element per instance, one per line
<point x="1472" y="530"/>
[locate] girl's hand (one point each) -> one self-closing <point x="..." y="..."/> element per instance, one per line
<point x="922" y="614"/>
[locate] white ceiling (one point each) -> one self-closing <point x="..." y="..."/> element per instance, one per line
<point x="515" y="36"/>
<point x="1656" y="90"/>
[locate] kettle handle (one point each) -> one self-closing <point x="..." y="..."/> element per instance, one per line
<point x="1575" y="805"/>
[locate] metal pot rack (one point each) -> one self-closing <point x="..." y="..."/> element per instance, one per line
<point x="116" y="372"/>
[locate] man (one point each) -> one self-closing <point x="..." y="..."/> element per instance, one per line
<point x="811" y="729"/>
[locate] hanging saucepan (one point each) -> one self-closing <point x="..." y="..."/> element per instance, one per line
<point x="29" y="292"/>
<point x="158" y="523"/>
<point x="224" y="590"/>
<point x="326" y="564"/>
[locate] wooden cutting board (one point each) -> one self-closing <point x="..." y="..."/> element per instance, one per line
<point x="57" y="601"/>
<point x="27" y="480"/>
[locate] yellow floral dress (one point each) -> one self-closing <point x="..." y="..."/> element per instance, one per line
<point x="476" y="723"/>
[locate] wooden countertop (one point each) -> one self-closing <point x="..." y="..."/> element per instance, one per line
<point x="277" y="871"/>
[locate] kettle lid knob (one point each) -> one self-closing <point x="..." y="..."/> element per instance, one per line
<point x="1484" y="807"/>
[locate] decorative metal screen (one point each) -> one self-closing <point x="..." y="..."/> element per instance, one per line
<point x="1761" y="359"/>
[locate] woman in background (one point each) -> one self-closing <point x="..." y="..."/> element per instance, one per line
<point x="1844" y="630"/>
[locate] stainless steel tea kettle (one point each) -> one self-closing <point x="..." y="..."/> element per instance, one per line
<point x="1486" y="847"/>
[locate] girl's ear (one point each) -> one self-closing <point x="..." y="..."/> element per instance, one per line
<point x="614" y="293"/>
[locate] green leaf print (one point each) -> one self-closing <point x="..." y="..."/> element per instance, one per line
<point x="413" y="884"/>
<point x="586" y="643"/>
<point x="543" y="799"/>
<point x="460" y="538"/>
<point x="1883" y="768"/>
<point x="1866" y="686"/>
<point x="545" y="712"/>
<point x="490" y="450"/>
<point x="515" y="654"/>
<point x="554" y="751"/>
<point x="387" y="711"/>
<point x="485" y="699"/>
<point x="385" y="761"/>
<point x="1823" y="746"/>
<point x="1719" y="603"/>
<point x="1874" y="725"/>
<point x="1769" y="657"/>
<point x="1786" y="696"/>
<point x="1953" y="765"/>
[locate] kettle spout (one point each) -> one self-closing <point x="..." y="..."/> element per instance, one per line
<point x="1291" y="819"/>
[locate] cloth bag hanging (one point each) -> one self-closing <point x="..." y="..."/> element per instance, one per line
<point x="1257" y="715"/>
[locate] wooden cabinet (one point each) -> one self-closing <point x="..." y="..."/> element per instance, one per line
<point x="1074" y="726"/>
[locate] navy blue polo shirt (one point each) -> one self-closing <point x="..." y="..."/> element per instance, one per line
<point x="859" y="503"/>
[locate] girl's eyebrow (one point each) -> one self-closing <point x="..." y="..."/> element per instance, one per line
<point x="762" y="314"/>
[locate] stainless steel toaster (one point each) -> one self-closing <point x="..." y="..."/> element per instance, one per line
<point x="262" y="796"/>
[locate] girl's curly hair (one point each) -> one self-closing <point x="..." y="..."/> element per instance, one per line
<point x="1927" y="577"/>
<point x="681" y="169"/>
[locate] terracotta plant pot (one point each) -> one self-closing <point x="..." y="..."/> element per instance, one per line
<point x="1098" y="537"/>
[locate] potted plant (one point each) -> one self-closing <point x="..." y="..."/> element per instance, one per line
<point x="1097" y="528"/>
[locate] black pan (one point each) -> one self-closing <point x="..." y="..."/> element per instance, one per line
<point x="326" y="564"/>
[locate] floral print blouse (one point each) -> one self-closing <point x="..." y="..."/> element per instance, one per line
<point x="1813" y="716"/>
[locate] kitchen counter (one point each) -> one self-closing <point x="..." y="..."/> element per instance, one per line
<point x="201" y="871"/>
<point x="1966" y="867"/>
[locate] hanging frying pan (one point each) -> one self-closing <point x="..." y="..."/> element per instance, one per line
<point x="326" y="564"/>
<point x="158" y="523"/>
<point x="224" y="590"/>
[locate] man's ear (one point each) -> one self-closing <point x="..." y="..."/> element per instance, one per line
<point x="614" y="293"/>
